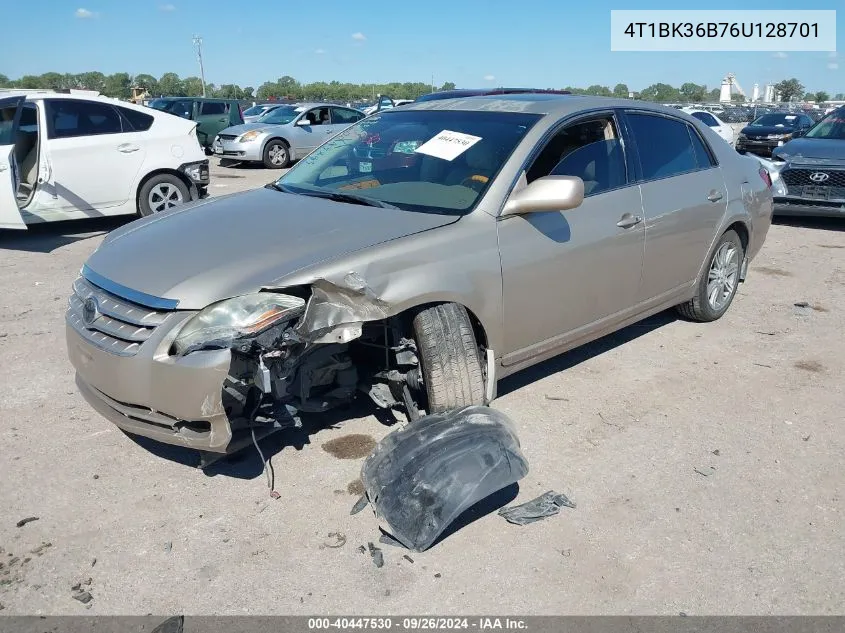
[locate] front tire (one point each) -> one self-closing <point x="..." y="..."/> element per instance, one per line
<point x="160" y="193"/>
<point x="717" y="287"/>
<point x="276" y="155"/>
<point x="449" y="358"/>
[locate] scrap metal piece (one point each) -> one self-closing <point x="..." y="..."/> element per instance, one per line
<point x="546" y="505"/>
<point x="337" y="309"/>
<point x="421" y="478"/>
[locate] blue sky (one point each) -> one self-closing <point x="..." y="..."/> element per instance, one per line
<point x="542" y="43"/>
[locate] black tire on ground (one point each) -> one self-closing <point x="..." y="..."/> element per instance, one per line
<point x="698" y="308"/>
<point x="168" y="181"/>
<point x="228" y="162"/>
<point x="449" y="358"/>
<point x="276" y="145"/>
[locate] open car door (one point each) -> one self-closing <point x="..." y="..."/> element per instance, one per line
<point x="10" y="114"/>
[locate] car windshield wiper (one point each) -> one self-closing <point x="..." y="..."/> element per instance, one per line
<point x="277" y="187"/>
<point x="351" y="198"/>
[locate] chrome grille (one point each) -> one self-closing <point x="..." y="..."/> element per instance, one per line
<point x="801" y="177"/>
<point x="119" y="327"/>
<point x="227" y="137"/>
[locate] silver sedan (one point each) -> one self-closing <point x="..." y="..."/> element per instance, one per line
<point x="284" y="134"/>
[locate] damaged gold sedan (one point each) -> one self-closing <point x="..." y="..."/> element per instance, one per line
<point x="417" y="257"/>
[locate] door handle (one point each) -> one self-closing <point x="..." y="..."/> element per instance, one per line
<point x="127" y="148"/>
<point x="714" y="197"/>
<point x="629" y="221"/>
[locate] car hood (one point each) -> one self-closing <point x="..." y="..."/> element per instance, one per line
<point x="812" y="148"/>
<point x="763" y="130"/>
<point x="237" y="130"/>
<point x="212" y="250"/>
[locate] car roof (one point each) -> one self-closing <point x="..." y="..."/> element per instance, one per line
<point x="194" y="98"/>
<point x="534" y="103"/>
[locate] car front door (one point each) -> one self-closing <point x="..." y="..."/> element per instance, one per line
<point x="684" y="198"/>
<point x="93" y="160"/>
<point x="566" y="273"/>
<point x="342" y="118"/>
<point x="310" y="130"/>
<point x="212" y="117"/>
<point x="10" y="113"/>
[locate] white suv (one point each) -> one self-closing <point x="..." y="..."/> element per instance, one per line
<point x="64" y="156"/>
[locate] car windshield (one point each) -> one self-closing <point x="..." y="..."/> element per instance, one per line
<point x="256" y="110"/>
<point x="434" y="161"/>
<point x="776" y="119"/>
<point x="830" y="127"/>
<point x="179" y="107"/>
<point x="280" y="115"/>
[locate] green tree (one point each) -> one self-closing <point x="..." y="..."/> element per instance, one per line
<point x="192" y="86"/>
<point x="249" y="92"/>
<point x="821" y="96"/>
<point x="92" y="81"/>
<point x="118" y="85"/>
<point x="621" y="91"/>
<point x="693" y="92"/>
<point x="4" y="81"/>
<point x="598" y="91"/>
<point x="661" y="93"/>
<point x="169" y="85"/>
<point x="269" y="90"/>
<point x="52" y="81"/>
<point x="148" y="83"/>
<point x="714" y="94"/>
<point x="29" y="82"/>
<point x="840" y="96"/>
<point x="789" y="89"/>
<point x="447" y="86"/>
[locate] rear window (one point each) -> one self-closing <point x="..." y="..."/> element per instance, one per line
<point x="664" y="144"/>
<point x="69" y="118"/>
<point x="138" y="121"/>
<point x="213" y="107"/>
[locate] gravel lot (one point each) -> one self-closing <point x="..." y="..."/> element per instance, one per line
<point x="705" y="461"/>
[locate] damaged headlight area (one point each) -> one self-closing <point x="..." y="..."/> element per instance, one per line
<point x="220" y="325"/>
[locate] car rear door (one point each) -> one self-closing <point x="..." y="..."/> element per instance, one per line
<point x="684" y="199"/>
<point x="10" y="113"/>
<point x="212" y="117"/>
<point x="342" y="118"/>
<point x="94" y="156"/>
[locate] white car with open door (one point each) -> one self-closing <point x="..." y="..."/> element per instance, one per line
<point x="65" y="157"/>
<point x="712" y="121"/>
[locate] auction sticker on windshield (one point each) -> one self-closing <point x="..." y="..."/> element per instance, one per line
<point x="448" y="145"/>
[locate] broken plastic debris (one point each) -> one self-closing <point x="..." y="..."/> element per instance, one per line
<point x="376" y="554"/>
<point x="421" y="478"/>
<point x="546" y="505"/>
<point x="23" y="522"/>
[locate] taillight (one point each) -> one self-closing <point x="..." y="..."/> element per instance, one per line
<point x="764" y="174"/>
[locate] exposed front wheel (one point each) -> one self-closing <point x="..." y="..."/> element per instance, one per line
<point x="161" y="193"/>
<point x="717" y="286"/>
<point x="449" y="358"/>
<point x="276" y="155"/>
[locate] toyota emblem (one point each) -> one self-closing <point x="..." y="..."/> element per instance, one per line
<point x="90" y="311"/>
<point x="819" y="176"/>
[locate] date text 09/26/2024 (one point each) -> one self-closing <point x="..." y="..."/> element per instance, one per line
<point x="422" y="623"/>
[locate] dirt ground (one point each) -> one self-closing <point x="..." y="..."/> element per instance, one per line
<point x="705" y="461"/>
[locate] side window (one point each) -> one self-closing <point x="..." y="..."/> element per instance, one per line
<point x="68" y="118"/>
<point x="664" y="144"/>
<point x="591" y="150"/>
<point x="213" y="107"/>
<point x="342" y="115"/>
<point x="706" y="118"/>
<point x="318" y="116"/>
<point x="138" y="121"/>
<point x="703" y="156"/>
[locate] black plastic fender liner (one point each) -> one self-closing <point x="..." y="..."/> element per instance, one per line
<point x="421" y="478"/>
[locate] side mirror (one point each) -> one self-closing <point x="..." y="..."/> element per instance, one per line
<point x="550" y="193"/>
<point x="799" y="132"/>
<point x="303" y="122"/>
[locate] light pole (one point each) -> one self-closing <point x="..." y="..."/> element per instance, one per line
<point x="198" y="47"/>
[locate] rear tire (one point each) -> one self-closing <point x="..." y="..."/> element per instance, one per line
<point x="276" y="154"/>
<point x="449" y="358"/>
<point x="160" y="193"/>
<point x="717" y="287"/>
